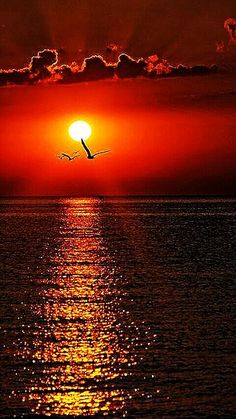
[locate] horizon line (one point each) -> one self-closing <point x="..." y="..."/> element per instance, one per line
<point x="120" y="196"/>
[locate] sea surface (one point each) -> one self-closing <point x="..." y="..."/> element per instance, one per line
<point x="117" y="307"/>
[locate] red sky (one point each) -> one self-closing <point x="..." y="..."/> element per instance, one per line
<point x="182" y="31"/>
<point x="168" y="136"/>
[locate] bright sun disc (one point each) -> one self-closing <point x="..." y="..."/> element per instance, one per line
<point x="79" y="130"/>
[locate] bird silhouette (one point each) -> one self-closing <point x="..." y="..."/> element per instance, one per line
<point x="91" y="156"/>
<point x="67" y="156"/>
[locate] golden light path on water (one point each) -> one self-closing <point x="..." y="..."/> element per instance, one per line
<point x="105" y="312"/>
<point x="85" y="339"/>
<point x="77" y="341"/>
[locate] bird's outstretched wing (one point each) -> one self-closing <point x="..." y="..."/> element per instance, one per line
<point x="65" y="155"/>
<point x="101" y="152"/>
<point x="74" y="157"/>
<point x="86" y="148"/>
<point x="62" y="155"/>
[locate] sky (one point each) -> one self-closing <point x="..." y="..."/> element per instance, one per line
<point x="155" y="79"/>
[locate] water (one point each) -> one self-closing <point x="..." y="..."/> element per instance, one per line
<point x="117" y="307"/>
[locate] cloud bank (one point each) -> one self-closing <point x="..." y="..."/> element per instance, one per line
<point x="44" y="68"/>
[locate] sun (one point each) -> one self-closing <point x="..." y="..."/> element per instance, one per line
<point x="80" y="130"/>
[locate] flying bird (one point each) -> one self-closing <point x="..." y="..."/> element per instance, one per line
<point x="67" y="156"/>
<point x="91" y="156"/>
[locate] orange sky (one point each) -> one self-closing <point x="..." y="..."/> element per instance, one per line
<point x="169" y="136"/>
<point x="174" y="135"/>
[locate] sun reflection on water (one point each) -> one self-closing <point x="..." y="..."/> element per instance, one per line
<point x="76" y="348"/>
<point x="102" y="308"/>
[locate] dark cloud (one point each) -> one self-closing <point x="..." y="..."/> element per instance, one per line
<point x="93" y="68"/>
<point x="40" y="68"/>
<point x="42" y="60"/>
<point x="196" y="70"/>
<point x="44" y="68"/>
<point x="127" y="67"/>
<point x="40" y="65"/>
<point x="8" y="77"/>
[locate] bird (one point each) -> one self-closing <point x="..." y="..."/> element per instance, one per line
<point x="91" y="156"/>
<point x="67" y="156"/>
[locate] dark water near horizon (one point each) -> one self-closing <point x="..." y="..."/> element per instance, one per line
<point x="117" y="307"/>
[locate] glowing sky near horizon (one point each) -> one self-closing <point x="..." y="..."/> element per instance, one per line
<point x="169" y="136"/>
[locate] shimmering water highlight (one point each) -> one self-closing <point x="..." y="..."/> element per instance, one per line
<point x="117" y="307"/>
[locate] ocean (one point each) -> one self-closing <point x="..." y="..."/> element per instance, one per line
<point x="117" y="307"/>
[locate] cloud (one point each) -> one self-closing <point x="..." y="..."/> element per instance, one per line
<point x="8" y="77"/>
<point x="44" y="68"/>
<point x="43" y="60"/>
<point x="127" y="67"/>
<point x="230" y="26"/>
<point x="113" y="48"/>
<point x="96" y="68"/>
<point x="93" y="68"/>
<point x="196" y="70"/>
<point x="223" y="47"/>
<point x="40" y="68"/>
<point x="220" y="47"/>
